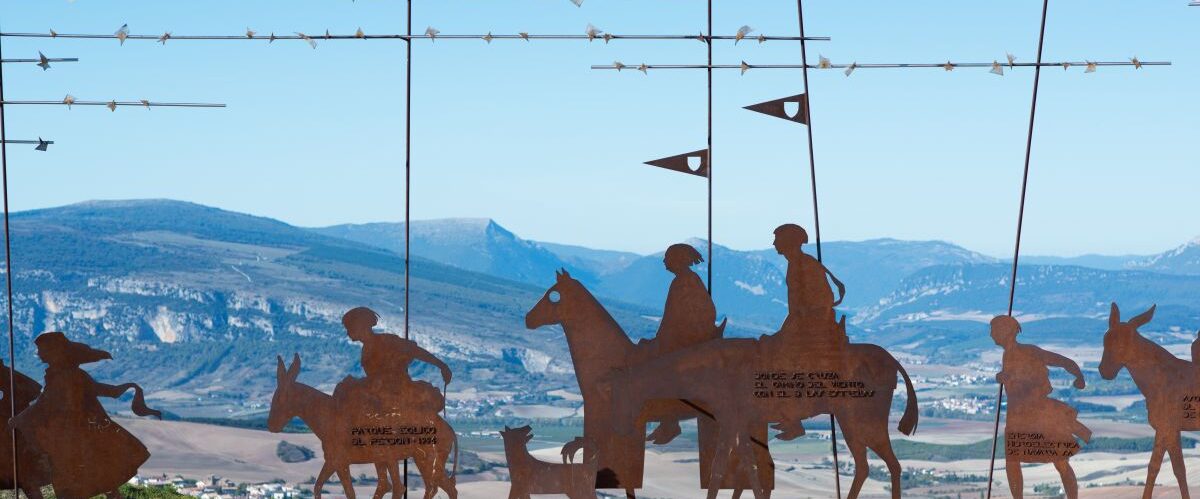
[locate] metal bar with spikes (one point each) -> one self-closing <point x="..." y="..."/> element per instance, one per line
<point x="486" y="37"/>
<point x="48" y="59"/>
<point x="109" y="103"/>
<point x="952" y="65"/>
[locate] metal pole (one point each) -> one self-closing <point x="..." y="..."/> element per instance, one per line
<point x="8" y="280"/>
<point x="407" y="184"/>
<point x="1012" y="292"/>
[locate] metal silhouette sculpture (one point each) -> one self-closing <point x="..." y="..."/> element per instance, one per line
<point x="381" y="419"/>
<point x="528" y="475"/>
<point x="1168" y="383"/>
<point x="86" y="452"/>
<point x="34" y="471"/>
<point x="599" y="347"/>
<point x="386" y="438"/>
<point x="1038" y="429"/>
<point x="808" y="368"/>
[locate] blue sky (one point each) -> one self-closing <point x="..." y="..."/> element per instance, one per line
<point x="527" y="134"/>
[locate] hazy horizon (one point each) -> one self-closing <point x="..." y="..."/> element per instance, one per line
<point x="500" y="222"/>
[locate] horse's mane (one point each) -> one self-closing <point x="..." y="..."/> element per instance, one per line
<point x="578" y="289"/>
<point x="1159" y="352"/>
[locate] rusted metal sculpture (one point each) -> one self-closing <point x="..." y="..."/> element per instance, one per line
<point x="34" y="471"/>
<point x="741" y="384"/>
<point x="528" y="475"/>
<point x="366" y="435"/>
<point x="85" y="451"/>
<point x="1038" y="429"/>
<point x="1168" y="383"/>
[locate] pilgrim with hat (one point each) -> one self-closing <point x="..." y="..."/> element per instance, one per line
<point x="88" y="453"/>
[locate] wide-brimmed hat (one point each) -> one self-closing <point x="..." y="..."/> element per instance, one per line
<point x="56" y="345"/>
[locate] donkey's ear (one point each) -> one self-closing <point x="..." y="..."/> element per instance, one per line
<point x="1114" y="316"/>
<point x="294" y="371"/>
<point x="1143" y="318"/>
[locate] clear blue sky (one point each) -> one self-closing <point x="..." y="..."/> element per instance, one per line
<point x="525" y="133"/>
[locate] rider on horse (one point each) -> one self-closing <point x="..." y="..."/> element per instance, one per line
<point x="688" y="319"/>
<point x="385" y="360"/>
<point x="810" y="300"/>
<point x="811" y="319"/>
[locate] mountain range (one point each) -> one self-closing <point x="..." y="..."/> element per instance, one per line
<point x="195" y="302"/>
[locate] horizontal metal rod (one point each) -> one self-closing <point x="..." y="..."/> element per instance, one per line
<point x="48" y="59"/>
<point x="876" y="66"/>
<point x="269" y="37"/>
<point x="31" y="142"/>
<point x="107" y="103"/>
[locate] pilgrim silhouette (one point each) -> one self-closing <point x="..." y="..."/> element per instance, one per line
<point x="811" y="317"/>
<point x="88" y="453"/>
<point x="386" y="359"/>
<point x="380" y="419"/>
<point x="810" y="300"/>
<point x="1038" y="429"/>
<point x="688" y="319"/>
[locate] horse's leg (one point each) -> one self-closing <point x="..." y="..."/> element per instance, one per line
<point x="882" y="446"/>
<point x="322" y="477"/>
<point x="1016" y="481"/>
<point x="425" y="465"/>
<point x="748" y="465"/>
<point x="861" y="468"/>
<point x="382" y="486"/>
<point x="716" y="475"/>
<point x="398" y="485"/>
<point x="343" y="474"/>
<point x="1156" y="457"/>
<point x="1070" y="485"/>
<point x="1177" y="465"/>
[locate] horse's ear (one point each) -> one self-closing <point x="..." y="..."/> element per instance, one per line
<point x="279" y="369"/>
<point x="566" y="274"/>
<point x="294" y="371"/>
<point x="1114" y="316"/>
<point x="507" y="429"/>
<point x="1144" y="318"/>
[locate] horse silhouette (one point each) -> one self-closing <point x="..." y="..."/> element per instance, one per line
<point x="1168" y="383"/>
<point x="320" y="412"/>
<point x="598" y="346"/>
<point x="719" y="373"/>
<point x="714" y="376"/>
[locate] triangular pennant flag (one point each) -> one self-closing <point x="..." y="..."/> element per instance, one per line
<point x="41" y="145"/>
<point x="779" y="108"/>
<point x="683" y="163"/>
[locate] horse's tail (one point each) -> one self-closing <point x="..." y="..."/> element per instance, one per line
<point x="454" y="442"/>
<point x="908" y="422"/>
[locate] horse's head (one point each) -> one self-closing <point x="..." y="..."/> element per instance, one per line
<point x="283" y="408"/>
<point x="1119" y="340"/>
<point x="546" y="312"/>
